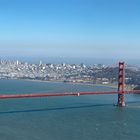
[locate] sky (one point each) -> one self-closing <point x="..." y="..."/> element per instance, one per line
<point x="100" y="29"/>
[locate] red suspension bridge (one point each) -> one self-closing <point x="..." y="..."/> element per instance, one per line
<point x="121" y="90"/>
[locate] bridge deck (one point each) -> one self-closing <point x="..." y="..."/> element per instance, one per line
<point x="33" y="95"/>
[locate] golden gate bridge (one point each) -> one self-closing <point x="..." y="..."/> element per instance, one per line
<point x="121" y="90"/>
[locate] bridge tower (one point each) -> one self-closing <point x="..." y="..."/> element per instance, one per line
<point x="121" y="84"/>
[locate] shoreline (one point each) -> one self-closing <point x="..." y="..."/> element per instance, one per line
<point x="72" y="83"/>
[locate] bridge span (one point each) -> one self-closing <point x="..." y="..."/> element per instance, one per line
<point x="121" y="90"/>
<point x="39" y="95"/>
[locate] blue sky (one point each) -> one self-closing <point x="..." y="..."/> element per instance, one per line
<point x="70" y="28"/>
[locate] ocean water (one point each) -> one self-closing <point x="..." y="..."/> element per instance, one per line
<point x="66" y="118"/>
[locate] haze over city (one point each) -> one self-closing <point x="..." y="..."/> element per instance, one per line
<point x="72" y="29"/>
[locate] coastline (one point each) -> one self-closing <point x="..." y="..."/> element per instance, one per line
<point x="72" y="83"/>
<point x="128" y="87"/>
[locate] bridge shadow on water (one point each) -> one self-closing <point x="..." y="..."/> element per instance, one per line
<point x="54" y="108"/>
<point x="62" y="108"/>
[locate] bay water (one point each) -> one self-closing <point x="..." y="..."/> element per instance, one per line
<point x="66" y="118"/>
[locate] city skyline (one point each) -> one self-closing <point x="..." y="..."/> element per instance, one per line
<point x="74" y="28"/>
